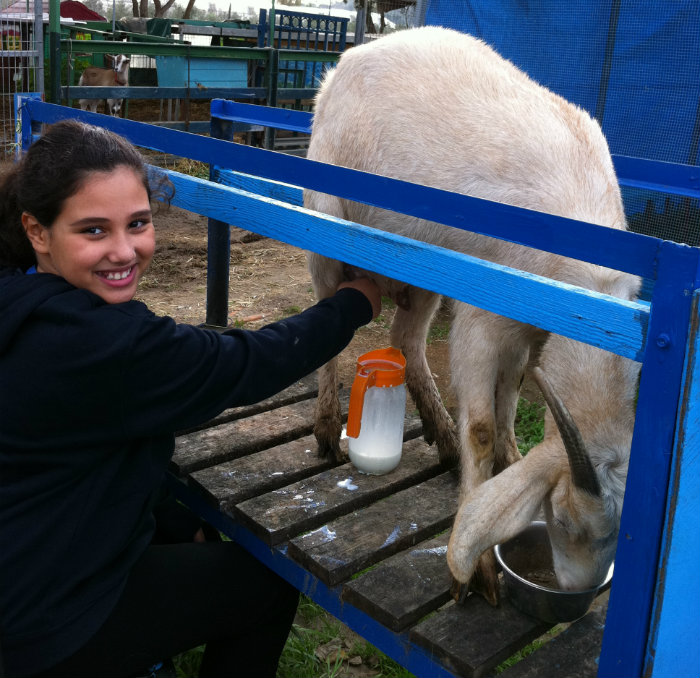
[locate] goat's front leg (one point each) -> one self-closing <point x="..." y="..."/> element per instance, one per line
<point x="409" y="332"/>
<point x="488" y="357"/>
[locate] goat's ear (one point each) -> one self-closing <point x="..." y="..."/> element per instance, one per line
<point x="500" y="508"/>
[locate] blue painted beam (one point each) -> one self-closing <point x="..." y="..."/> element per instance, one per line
<point x="263" y="187"/>
<point x="674" y="649"/>
<point x="280" y="118"/>
<point x="162" y="92"/>
<point x="613" y="324"/>
<point x="639" y="543"/>
<point x="654" y="175"/>
<point x="621" y="250"/>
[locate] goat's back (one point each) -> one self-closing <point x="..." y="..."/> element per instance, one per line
<point x="93" y="76"/>
<point x="441" y="108"/>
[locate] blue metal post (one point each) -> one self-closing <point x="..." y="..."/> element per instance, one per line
<point x="628" y="620"/>
<point x="674" y="649"/>
<point x="218" y="248"/>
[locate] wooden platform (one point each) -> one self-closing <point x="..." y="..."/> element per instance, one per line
<point x="371" y="549"/>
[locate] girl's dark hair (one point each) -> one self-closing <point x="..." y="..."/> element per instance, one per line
<point x="52" y="170"/>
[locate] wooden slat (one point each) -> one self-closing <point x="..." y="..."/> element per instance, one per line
<point x="404" y="588"/>
<point x="308" y="504"/>
<point x="235" y="481"/>
<point x="572" y="654"/>
<point x="347" y="545"/>
<point x="302" y="390"/>
<point x="474" y="638"/>
<point x="215" y="445"/>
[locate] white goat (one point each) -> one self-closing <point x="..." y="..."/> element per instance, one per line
<point x="93" y="76"/>
<point x="440" y="108"/>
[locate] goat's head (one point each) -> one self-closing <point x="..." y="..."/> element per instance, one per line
<point x="582" y="518"/>
<point x="120" y="66"/>
<point x="120" y="63"/>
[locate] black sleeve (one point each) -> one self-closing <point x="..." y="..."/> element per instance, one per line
<point x="186" y="375"/>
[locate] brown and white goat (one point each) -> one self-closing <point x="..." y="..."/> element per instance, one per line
<point x="93" y="76"/>
<point x="440" y="108"/>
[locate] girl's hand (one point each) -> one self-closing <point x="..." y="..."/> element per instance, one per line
<point x="370" y="289"/>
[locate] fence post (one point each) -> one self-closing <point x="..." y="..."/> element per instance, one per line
<point x="626" y="637"/>
<point x="55" y="50"/>
<point x="218" y="246"/>
<point x="674" y="650"/>
<point x="273" y="67"/>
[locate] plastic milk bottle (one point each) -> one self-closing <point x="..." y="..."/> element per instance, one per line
<point x="377" y="410"/>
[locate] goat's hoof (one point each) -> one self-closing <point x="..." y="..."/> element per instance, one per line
<point x="485" y="580"/>
<point x="330" y="452"/>
<point x="329" y="449"/>
<point x="327" y="433"/>
<point x="341" y="457"/>
<point x="459" y="591"/>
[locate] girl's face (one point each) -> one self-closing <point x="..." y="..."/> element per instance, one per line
<point x="103" y="240"/>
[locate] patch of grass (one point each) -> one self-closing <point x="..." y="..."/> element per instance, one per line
<point x="382" y="321"/>
<point x="193" y="168"/>
<point x="291" y="310"/>
<point x="439" y="331"/>
<point x="316" y="628"/>
<point x="529" y="425"/>
<point x="528" y="650"/>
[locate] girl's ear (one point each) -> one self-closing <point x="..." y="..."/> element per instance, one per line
<point x="37" y="234"/>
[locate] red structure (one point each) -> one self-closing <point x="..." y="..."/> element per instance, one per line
<point x="72" y="9"/>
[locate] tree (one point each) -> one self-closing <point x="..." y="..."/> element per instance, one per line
<point x="140" y="8"/>
<point x="380" y="7"/>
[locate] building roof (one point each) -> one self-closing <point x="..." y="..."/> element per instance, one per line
<point x="70" y="9"/>
<point x="23" y="8"/>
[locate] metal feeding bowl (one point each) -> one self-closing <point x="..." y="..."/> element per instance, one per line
<point x="530" y="582"/>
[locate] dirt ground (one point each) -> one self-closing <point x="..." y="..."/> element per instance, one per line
<point x="268" y="281"/>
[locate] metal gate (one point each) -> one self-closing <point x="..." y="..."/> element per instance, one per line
<point x="21" y="61"/>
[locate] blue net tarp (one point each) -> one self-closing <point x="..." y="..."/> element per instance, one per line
<point x="633" y="65"/>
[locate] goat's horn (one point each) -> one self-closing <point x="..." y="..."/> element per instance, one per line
<point x="582" y="471"/>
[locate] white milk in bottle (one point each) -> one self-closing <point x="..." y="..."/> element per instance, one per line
<point x="377" y="411"/>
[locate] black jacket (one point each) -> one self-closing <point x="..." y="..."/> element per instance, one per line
<point x="90" y="395"/>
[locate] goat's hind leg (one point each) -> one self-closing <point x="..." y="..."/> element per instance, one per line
<point x="409" y="332"/>
<point x="326" y="275"/>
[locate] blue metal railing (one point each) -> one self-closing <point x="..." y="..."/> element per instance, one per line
<point x="656" y="334"/>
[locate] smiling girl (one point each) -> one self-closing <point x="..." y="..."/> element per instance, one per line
<point x="92" y="387"/>
<point x="103" y="239"/>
